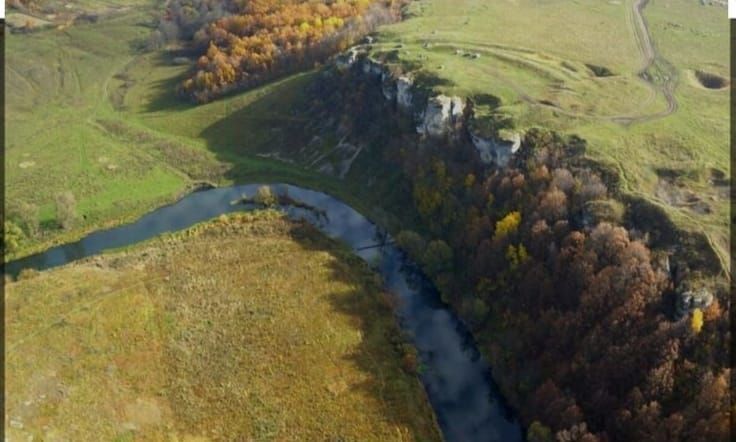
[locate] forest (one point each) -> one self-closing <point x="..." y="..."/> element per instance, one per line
<point x="245" y="43"/>
<point x="572" y="306"/>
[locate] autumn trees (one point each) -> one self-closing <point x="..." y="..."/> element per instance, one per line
<point x="557" y="282"/>
<point x="261" y="39"/>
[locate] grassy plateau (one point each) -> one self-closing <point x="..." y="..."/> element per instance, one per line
<point x="248" y="327"/>
<point x="575" y="67"/>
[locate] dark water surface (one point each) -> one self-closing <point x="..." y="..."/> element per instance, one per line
<point x="457" y="379"/>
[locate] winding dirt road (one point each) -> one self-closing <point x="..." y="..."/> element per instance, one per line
<point x="652" y="63"/>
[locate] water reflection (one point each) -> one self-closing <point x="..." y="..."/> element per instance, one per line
<point x="464" y="397"/>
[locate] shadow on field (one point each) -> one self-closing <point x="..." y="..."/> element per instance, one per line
<point x="382" y="353"/>
<point x="258" y="121"/>
<point x="165" y="97"/>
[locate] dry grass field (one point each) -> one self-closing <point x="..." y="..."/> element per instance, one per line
<point x="249" y="327"/>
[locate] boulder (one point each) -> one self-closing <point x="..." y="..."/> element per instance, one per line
<point x="404" y="95"/>
<point x="688" y="299"/>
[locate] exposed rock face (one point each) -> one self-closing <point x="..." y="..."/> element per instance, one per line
<point x="404" y="95"/>
<point x="690" y="299"/>
<point x="388" y="88"/>
<point x="372" y="68"/>
<point x="441" y="116"/>
<point x="346" y="60"/>
<point x="498" y="152"/>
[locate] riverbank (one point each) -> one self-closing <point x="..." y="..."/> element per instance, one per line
<point x="456" y="378"/>
<point x="307" y="349"/>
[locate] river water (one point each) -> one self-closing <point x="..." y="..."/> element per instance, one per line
<point x="457" y="379"/>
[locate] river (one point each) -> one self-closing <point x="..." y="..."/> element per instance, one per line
<point x="457" y="379"/>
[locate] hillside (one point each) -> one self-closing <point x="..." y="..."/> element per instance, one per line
<point x="116" y="134"/>
<point x="245" y="327"/>
<point x="559" y="169"/>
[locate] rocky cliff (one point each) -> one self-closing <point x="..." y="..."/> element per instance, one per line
<point x="434" y="115"/>
<point x="443" y="117"/>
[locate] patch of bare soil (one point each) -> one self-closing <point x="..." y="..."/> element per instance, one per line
<point x="721" y="183"/>
<point x="674" y="192"/>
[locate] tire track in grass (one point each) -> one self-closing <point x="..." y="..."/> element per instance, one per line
<point x="652" y="60"/>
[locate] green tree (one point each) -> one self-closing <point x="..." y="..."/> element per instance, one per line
<point x="516" y="255"/>
<point x="437" y="257"/>
<point x="412" y="243"/>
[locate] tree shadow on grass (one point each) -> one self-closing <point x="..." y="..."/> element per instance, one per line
<point x="383" y="351"/>
<point x="165" y="96"/>
<point x="262" y="118"/>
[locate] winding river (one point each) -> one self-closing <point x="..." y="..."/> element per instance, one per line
<point x="465" y="399"/>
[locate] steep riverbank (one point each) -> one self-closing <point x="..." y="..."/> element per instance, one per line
<point x="547" y="258"/>
<point x="457" y="380"/>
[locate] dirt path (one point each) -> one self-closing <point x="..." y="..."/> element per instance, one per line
<point x="652" y="62"/>
<point x="656" y="72"/>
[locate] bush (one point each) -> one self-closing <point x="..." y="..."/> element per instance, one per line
<point x="29" y="217"/>
<point x="28" y="274"/>
<point x="12" y="237"/>
<point x="66" y="210"/>
<point x="265" y="196"/>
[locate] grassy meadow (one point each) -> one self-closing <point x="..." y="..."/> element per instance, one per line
<point x="56" y="95"/>
<point x="248" y="327"/>
<point x="89" y="111"/>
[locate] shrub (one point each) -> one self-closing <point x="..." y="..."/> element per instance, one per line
<point x="29" y="217"/>
<point x="410" y="360"/>
<point x="12" y="237"/>
<point x="66" y="210"/>
<point x="265" y="196"/>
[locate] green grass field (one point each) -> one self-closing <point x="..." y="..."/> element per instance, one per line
<point x="88" y="111"/>
<point x="56" y="93"/>
<point x="191" y="337"/>
<point x="534" y="56"/>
